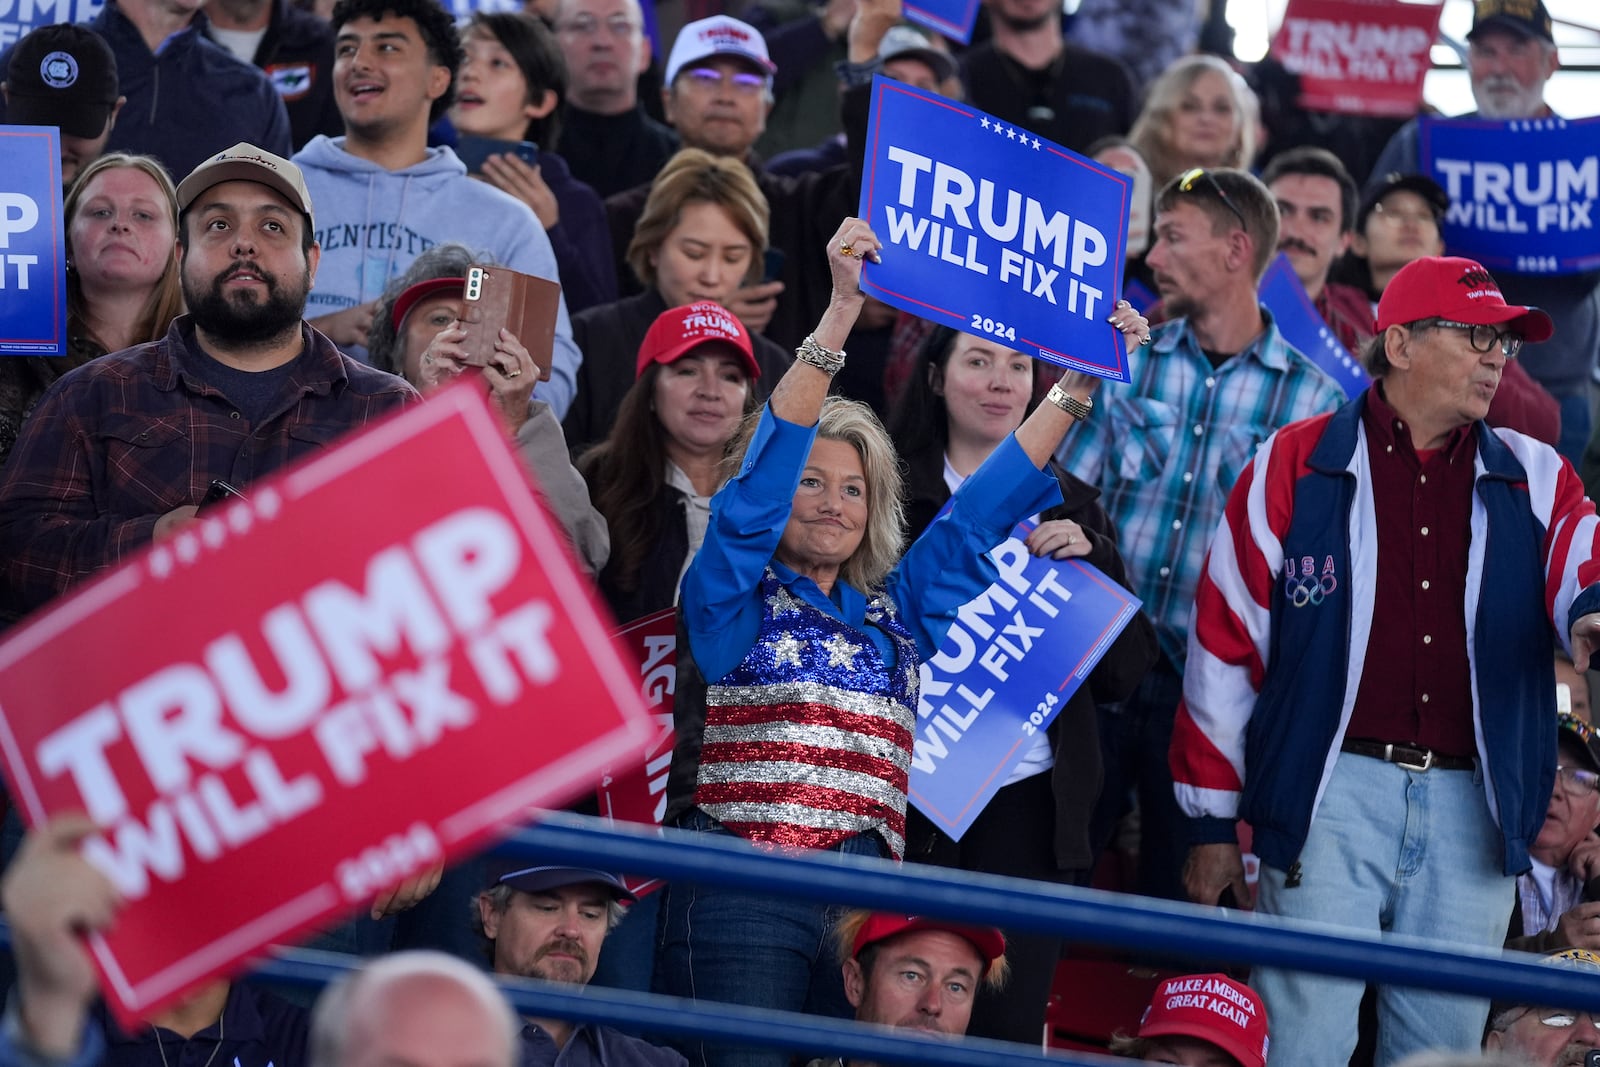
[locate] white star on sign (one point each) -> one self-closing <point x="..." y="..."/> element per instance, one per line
<point x="842" y="652"/>
<point x="1011" y="134"/>
<point x="1036" y="144"/>
<point x="785" y="649"/>
<point x="984" y="121"/>
<point x="999" y="129"/>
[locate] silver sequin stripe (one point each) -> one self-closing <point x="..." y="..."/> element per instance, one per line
<point x="797" y="733"/>
<point x="801" y="815"/>
<point x="812" y="693"/>
<point x="788" y="772"/>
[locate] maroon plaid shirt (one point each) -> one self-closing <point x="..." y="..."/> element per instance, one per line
<point x="128" y="437"/>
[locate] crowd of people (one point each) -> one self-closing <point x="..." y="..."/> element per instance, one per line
<point x="1366" y="622"/>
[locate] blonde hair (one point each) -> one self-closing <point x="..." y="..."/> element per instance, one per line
<point x="884" y="539"/>
<point x="1152" y="130"/>
<point x="165" y="302"/>
<point x="695" y="176"/>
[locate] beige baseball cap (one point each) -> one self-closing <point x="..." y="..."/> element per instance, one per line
<point x="247" y="163"/>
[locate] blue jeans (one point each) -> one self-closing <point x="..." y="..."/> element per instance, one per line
<point x="1406" y="852"/>
<point x="745" y="948"/>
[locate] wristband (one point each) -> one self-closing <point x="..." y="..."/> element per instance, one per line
<point x="1078" y="409"/>
<point x="825" y="360"/>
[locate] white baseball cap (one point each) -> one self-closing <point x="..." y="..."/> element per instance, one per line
<point x="718" y="35"/>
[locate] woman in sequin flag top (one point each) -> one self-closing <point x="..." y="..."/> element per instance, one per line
<point x="799" y="648"/>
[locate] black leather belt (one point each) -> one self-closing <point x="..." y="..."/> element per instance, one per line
<point x="1411" y="757"/>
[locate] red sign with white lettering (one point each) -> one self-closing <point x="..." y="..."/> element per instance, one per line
<point x="368" y="666"/>
<point x="1358" y="57"/>
<point x="634" y="790"/>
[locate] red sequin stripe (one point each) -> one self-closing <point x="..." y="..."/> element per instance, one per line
<point x="809" y="714"/>
<point x="732" y="753"/>
<point x="783" y="835"/>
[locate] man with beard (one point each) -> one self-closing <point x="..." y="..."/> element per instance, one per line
<point x="1026" y="74"/>
<point x="1511" y="56"/>
<point x="548" y="923"/>
<point x="916" y="973"/>
<point x="1216" y="379"/>
<point x="121" y="451"/>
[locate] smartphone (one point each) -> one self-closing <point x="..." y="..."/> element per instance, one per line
<point x="474" y="150"/>
<point x="219" y="492"/>
<point x="772" y="267"/>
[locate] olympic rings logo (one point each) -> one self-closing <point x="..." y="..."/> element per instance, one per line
<point x="1304" y="587"/>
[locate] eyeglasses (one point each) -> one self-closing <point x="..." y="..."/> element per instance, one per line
<point x="1554" y="1018"/>
<point x="708" y="78"/>
<point x="1577" y="781"/>
<point x="1483" y="337"/>
<point x="588" y="26"/>
<point x="1186" y="184"/>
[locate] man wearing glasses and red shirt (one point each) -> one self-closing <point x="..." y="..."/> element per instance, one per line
<point x="1369" y="681"/>
<point x="1551" y="910"/>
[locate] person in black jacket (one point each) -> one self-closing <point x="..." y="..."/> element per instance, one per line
<point x="294" y="49"/>
<point x="963" y="397"/>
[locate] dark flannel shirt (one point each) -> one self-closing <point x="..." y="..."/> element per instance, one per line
<point x="257" y="1029"/>
<point x="1416" y="685"/>
<point x="124" y="439"/>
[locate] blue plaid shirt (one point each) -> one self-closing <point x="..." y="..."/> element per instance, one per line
<point x="1167" y="447"/>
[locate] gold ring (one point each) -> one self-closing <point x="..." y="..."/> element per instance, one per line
<point x="513" y="373"/>
<point x="845" y="249"/>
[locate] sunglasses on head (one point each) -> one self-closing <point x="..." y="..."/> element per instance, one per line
<point x="1188" y="180"/>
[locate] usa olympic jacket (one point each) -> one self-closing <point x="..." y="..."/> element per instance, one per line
<point x="1284" y="610"/>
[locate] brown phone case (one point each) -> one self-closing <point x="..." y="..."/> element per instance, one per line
<point x="497" y="297"/>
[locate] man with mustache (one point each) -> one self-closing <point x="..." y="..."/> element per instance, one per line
<point x="121" y="451"/>
<point x="1511" y="56"/>
<point x="1547" y="1037"/>
<point x="549" y="923"/>
<point x="1316" y="200"/>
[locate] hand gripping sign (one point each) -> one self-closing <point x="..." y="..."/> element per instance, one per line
<point x="994" y="231"/>
<point x="1359" y="57"/>
<point x="1523" y="193"/>
<point x="33" y="244"/>
<point x="363" y="669"/>
<point x="1013" y="657"/>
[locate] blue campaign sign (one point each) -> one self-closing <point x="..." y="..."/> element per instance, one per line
<point x="33" y="244"/>
<point x="1303" y="327"/>
<point x="994" y="231"/>
<point x="1522" y="193"/>
<point x="953" y="18"/>
<point x="19" y="17"/>
<point x="1011" y="660"/>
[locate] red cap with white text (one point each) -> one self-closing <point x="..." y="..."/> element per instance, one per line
<point x="1214" y="1008"/>
<point x="680" y="330"/>
<point x="1460" y="290"/>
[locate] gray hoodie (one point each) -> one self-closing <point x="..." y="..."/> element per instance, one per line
<point x="373" y="222"/>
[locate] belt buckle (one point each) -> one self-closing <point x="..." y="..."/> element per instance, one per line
<point x="1427" y="759"/>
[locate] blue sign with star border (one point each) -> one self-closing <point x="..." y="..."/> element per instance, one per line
<point x="994" y="231"/>
<point x="1013" y="657"/>
<point x="33" y="244"/>
<point x="1303" y="326"/>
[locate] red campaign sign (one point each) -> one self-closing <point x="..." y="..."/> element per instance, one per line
<point x="367" y="667"/>
<point x="1358" y="57"/>
<point x="634" y="790"/>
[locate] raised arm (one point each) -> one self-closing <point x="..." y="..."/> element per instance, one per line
<point x="1041" y="433"/>
<point x="798" y="396"/>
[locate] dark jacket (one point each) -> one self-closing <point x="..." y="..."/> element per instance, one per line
<point x="658" y="575"/>
<point x="609" y="337"/>
<point x="1074" y="734"/>
<point x="190" y="101"/>
<point x="1080" y="98"/>
<point x="806" y="210"/>
<point x="611" y="153"/>
<point x="296" y="55"/>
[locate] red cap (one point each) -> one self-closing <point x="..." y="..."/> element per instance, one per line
<point x="1449" y="287"/>
<point x="412" y="293"/>
<point x="679" y="331"/>
<point x="1214" y="1008"/>
<point x="988" y="940"/>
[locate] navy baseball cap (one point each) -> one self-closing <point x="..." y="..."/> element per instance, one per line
<point x="544" y="879"/>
